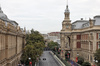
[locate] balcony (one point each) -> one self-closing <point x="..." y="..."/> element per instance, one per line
<point x="67" y="49"/>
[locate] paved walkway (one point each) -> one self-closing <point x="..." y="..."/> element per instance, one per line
<point x="50" y="61"/>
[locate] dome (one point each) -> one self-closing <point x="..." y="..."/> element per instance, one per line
<point x="2" y="15"/>
<point x="5" y="18"/>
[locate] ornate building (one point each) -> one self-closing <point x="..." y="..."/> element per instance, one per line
<point x="52" y="36"/>
<point x="12" y="41"/>
<point x="80" y="38"/>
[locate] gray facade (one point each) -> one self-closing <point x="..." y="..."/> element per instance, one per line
<point x="5" y="18"/>
<point x="80" y="24"/>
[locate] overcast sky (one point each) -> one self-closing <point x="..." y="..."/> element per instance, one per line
<point x="47" y="15"/>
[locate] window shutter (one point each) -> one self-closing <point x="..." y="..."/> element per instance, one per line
<point x="97" y="35"/>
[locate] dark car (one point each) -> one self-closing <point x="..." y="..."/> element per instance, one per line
<point x="44" y="58"/>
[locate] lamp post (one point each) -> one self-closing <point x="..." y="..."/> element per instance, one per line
<point x="69" y="54"/>
<point x="30" y="63"/>
<point x="77" y="57"/>
<point x="95" y="60"/>
<point x="29" y="58"/>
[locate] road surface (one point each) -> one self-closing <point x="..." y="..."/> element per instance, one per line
<point x="50" y="61"/>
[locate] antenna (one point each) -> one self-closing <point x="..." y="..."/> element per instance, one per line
<point x="67" y="2"/>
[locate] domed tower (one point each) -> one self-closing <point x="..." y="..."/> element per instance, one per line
<point x="65" y="34"/>
<point x="66" y="24"/>
<point x="2" y="15"/>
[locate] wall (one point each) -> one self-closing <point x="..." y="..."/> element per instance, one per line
<point x="12" y="40"/>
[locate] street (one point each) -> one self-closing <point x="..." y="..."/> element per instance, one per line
<point x="50" y="61"/>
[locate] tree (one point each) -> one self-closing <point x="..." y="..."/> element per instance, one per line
<point x="34" y="47"/>
<point x="80" y="60"/>
<point x="29" y="51"/>
<point x="86" y="64"/>
<point x="97" y="57"/>
<point x="53" y="45"/>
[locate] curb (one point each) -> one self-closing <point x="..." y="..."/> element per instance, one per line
<point x="61" y="63"/>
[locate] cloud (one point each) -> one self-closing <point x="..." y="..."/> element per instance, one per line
<point x="47" y="15"/>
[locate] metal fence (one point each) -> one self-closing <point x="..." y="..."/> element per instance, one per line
<point x="64" y="61"/>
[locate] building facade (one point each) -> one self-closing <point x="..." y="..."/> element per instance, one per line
<point x="54" y="36"/>
<point x="12" y="41"/>
<point x="80" y="38"/>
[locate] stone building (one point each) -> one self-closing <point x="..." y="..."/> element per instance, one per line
<point x="80" y="38"/>
<point x="12" y="41"/>
<point x="54" y="36"/>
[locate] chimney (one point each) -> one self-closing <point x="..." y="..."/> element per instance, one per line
<point x="81" y="18"/>
<point x="91" y="22"/>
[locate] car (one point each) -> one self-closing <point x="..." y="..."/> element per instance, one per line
<point x="44" y="58"/>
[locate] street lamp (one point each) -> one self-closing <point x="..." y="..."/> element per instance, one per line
<point x="69" y="54"/>
<point x="95" y="60"/>
<point x="77" y="57"/>
<point x="30" y="63"/>
<point x="29" y="58"/>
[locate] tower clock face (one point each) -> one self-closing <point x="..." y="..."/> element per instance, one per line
<point x="67" y="26"/>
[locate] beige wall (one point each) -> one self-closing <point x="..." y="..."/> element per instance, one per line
<point x="88" y="45"/>
<point x="12" y="40"/>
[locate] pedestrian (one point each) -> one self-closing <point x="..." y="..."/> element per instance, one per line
<point x="71" y="63"/>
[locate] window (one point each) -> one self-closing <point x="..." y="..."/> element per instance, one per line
<point x="78" y="44"/>
<point x="99" y="36"/>
<point x="78" y="37"/>
<point x="98" y="45"/>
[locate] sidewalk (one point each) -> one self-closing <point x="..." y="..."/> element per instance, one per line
<point x="73" y="63"/>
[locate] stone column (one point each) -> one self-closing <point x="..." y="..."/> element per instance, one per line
<point x="89" y="45"/>
<point x="62" y="48"/>
<point x="94" y="42"/>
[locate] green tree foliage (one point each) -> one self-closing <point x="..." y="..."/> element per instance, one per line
<point x="34" y="47"/>
<point x="34" y="37"/>
<point x="86" y="64"/>
<point x="97" y="57"/>
<point x="53" y="45"/>
<point x="80" y="60"/>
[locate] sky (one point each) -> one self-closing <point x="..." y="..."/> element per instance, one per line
<point x="47" y="15"/>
